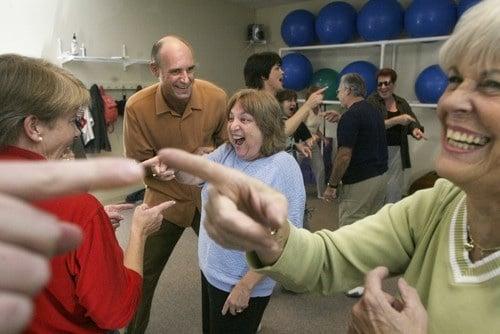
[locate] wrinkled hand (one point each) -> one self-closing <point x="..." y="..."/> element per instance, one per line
<point x="237" y="301"/>
<point x="159" y="170"/>
<point x="379" y="312"/>
<point x="30" y="237"/>
<point x="240" y="210"/>
<point x="304" y="149"/>
<point x="330" y="194"/>
<point x="315" y="99"/>
<point x="331" y="116"/>
<point x="148" y="220"/>
<point x="202" y="150"/>
<point x="114" y="213"/>
<point x="418" y="134"/>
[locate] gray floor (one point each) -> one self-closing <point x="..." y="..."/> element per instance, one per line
<point x="177" y="303"/>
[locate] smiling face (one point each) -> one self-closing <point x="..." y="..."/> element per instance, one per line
<point x="244" y="134"/>
<point x="176" y="71"/>
<point x="385" y="86"/>
<point x="274" y="83"/>
<point x="58" y="137"/>
<point x="469" y="112"/>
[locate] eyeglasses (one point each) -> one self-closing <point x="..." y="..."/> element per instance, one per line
<point x="384" y="83"/>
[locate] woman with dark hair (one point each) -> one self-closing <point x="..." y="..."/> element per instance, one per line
<point x="400" y="121"/>
<point x="301" y="140"/>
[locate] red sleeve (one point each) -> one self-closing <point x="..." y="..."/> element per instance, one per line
<point x="108" y="291"/>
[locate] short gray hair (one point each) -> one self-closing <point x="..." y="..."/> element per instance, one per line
<point x="475" y="42"/>
<point x="355" y="83"/>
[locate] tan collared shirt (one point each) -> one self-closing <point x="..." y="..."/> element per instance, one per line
<point x="150" y="125"/>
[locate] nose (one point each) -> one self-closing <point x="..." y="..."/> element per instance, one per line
<point x="185" y="77"/>
<point x="234" y="125"/>
<point x="457" y="100"/>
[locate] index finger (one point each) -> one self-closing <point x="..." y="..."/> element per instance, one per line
<point x="321" y="90"/>
<point x="37" y="180"/>
<point x="198" y="166"/>
<point x="120" y="207"/>
<point x="162" y="206"/>
<point x="149" y="162"/>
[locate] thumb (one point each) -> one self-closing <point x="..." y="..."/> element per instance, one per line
<point x="225" y="307"/>
<point x="408" y="294"/>
<point x="150" y="162"/>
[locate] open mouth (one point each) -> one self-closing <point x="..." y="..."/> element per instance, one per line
<point x="465" y="140"/>
<point x="238" y="140"/>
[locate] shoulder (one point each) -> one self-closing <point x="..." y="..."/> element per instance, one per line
<point x="210" y="89"/>
<point x="78" y="208"/>
<point x="146" y="94"/>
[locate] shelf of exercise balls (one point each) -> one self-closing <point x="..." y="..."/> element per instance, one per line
<point x="381" y="44"/>
<point x="125" y="61"/>
<point x="412" y="104"/>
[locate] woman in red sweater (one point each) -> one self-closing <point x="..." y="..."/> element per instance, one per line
<point x="97" y="287"/>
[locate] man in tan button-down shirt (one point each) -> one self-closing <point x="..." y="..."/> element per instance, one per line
<point x="180" y="112"/>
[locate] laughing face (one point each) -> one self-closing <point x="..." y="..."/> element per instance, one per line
<point x="274" y="83"/>
<point x="289" y="107"/>
<point x="244" y="134"/>
<point x="469" y="112"/>
<point x="176" y="73"/>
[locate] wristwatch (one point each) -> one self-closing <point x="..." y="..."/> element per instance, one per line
<point x="334" y="186"/>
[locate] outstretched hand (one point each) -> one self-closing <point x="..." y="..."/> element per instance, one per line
<point x="114" y="212"/>
<point x="159" y="170"/>
<point x="241" y="212"/>
<point x="29" y="237"/>
<point x="379" y="312"/>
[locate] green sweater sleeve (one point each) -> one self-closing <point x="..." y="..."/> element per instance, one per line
<point x="328" y="262"/>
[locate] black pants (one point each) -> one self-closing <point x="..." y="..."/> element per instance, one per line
<point x="157" y="251"/>
<point x="214" y="322"/>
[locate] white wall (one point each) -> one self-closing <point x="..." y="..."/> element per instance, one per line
<point x="216" y="29"/>
<point x="410" y="61"/>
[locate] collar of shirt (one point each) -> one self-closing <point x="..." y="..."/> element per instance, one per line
<point x="194" y="104"/>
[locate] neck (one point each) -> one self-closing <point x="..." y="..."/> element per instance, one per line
<point x="173" y="102"/>
<point x="354" y="100"/>
<point x="269" y="89"/>
<point x="483" y="218"/>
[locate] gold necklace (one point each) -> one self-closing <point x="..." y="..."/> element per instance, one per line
<point x="471" y="244"/>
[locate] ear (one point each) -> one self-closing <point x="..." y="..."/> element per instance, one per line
<point x="32" y="128"/>
<point x="155" y="69"/>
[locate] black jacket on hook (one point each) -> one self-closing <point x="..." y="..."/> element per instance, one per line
<point x="101" y="140"/>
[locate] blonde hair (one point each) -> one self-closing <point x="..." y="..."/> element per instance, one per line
<point x="31" y="86"/>
<point x="475" y="42"/>
<point x="267" y="114"/>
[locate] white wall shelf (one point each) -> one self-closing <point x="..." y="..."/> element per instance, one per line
<point x="412" y="104"/>
<point x="125" y="61"/>
<point x="381" y="44"/>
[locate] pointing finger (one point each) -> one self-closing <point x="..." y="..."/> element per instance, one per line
<point x="53" y="178"/>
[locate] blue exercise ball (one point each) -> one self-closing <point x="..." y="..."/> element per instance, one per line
<point x="425" y="18"/>
<point x="380" y="19"/>
<point x="367" y="70"/>
<point x="463" y="5"/>
<point x="298" y="71"/>
<point x="431" y="84"/>
<point x="326" y="77"/>
<point x="336" y="23"/>
<point x="297" y="28"/>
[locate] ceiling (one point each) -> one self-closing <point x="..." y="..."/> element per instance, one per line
<point x="263" y="3"/>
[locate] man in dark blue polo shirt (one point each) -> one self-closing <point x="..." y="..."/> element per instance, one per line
<point x="359" y="171"/>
